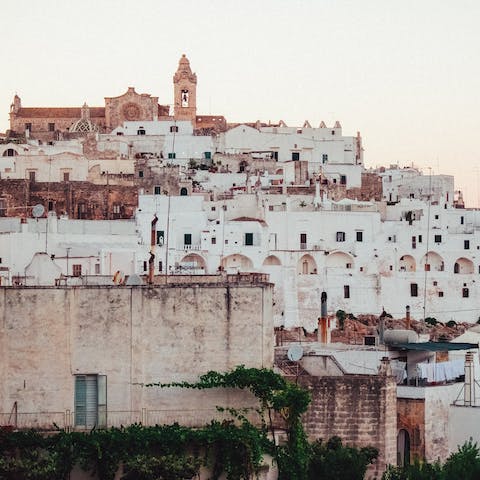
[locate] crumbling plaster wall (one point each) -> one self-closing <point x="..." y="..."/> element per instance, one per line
<point x="134" y="335"/>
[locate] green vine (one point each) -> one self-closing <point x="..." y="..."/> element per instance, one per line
<point x="234" y="448"/>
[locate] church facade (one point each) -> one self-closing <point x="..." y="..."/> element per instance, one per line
<point x="50" y="124"/>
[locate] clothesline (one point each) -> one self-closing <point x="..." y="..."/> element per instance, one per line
<point x="442" y="371"/>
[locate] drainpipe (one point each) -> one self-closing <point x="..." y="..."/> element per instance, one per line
<point x="151" y="260"/>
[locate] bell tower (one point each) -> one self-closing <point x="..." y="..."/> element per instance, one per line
<point x="185" y="92"/>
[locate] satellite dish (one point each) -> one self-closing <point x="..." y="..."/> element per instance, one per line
<point x="295" y="353"/>
<point x="38" y="210"/>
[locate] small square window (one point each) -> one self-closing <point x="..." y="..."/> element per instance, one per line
<point x="440" y="294"/>
<point x="157" y="190"/>
<point x="295" y="156"/>
<point x="51" y="127"/>
<point x="140" y="174"/>
<point x="214" y="240"/>
<point x="436" y="217"/>
<point x="173" y="129"/>
<point x="340" y="236"/>
<point x="437" y="239"/>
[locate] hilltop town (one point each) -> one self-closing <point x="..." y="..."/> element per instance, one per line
<point x="141" y="242"/>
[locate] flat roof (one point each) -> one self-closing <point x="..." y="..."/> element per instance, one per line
<point x="434" y="346"/>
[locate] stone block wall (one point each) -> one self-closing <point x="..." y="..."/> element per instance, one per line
<point x="360" y="409"/>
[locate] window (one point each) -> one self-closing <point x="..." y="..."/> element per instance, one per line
<point x="343" y="179"/>
<point x="295" y="156"/>
<point x="456" y="268"/>
<point x="333" y="132"/>
<point x="3" y="207"/>
<point x="413" y="290"/>
<point x="346" y="291"/>
<point x="51" y="127"/>
<point x="303" y="241"/>
<point x="10" y="152"/>
<point x="324" y="158"/>
<point x="436" y="217"/>
<point x="437" y="239"/>
<point x="157" y="190"/>
<point x="160" y="237"/>
<point x="340" y="236"/>
<point x="160" y="266"/>
<point x="97" y="269"/>
<point x="466" y="244"/>
<point x="28" y="126"/>
<point x="359" y="236"/>
<point x="275" y="156"/>
<point x="173" y="129"/>
<point x="420" y="238"/>
<point x="90" y="400"/>
<point x="462" y="220"/>
<point x="50" y="206"/>
<point x="141" y="131"/>
<point x="77" y="270"/>
<point x="249" y="239"/>
<point x="440" y="294"/>
<point x="66" y="176"/>
<point x="465" y="292"/>
<point x="207" y="155"/>
<point x="348" y="265"/>
<point x="116" y="209"/>
<point x="187" y="239"/>
<point x="172" y="155"/>
<point x="31" y="176"/>
<point x="140" y="174"/>
<point x="145" y="266"/>
<point x="214" y="240"/>
<point x="414" y="242"/>
<point x="183" y="192"/>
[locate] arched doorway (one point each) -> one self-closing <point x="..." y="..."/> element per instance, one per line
<point x="237" y="263"/>
<point x="403" y="448"/>
<point x="192" y="264"/>
<point x="183" y="192"/>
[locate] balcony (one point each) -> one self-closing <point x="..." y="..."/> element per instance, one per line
<point x="192" y="247"/>
<point x="51" y="421"/>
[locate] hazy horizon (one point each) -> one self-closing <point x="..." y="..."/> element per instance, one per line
<point x="404" y="74"/>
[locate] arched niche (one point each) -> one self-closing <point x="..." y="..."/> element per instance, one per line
<point x="407" y="264"/>
<point x="306" y="265"/>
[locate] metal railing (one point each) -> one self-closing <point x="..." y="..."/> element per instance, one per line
<point x="50" y="421"/>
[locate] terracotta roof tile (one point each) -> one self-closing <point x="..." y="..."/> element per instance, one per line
<point x="59" y="112"/>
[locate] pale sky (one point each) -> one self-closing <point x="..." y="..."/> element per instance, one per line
<point x="403" y="73"/>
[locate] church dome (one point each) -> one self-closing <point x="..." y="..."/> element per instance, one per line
<point x="83" y="125"/>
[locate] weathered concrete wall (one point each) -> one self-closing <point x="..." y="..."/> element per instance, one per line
<point x="411" y="417"/>
<point x="360" y="409"/>
<point x="134" y="335"/>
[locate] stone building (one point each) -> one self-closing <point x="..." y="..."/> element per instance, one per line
<point x="49" y="124"/>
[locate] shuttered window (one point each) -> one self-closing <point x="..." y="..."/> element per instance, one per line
<point x="90" y="400"/>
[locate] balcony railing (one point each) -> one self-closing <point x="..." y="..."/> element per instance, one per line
<point x="50" y="421"/>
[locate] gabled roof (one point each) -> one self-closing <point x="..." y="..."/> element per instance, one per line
<point x="249" y="219"/>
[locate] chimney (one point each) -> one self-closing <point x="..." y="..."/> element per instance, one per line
<point x="151" y="260"/>
<point x="469" y="389"/>
<point x="322" y="321"/>
<point x="407" y="316"/>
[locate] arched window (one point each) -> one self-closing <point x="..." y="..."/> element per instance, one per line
<point x="10" y="152"/>
<point x="456" y="268"/>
